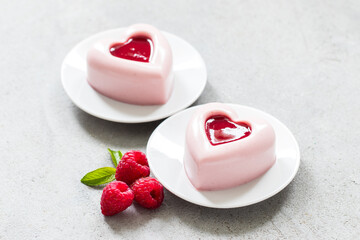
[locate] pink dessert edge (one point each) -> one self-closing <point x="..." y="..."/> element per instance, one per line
<point x="131" y="81"/>
<point x="226" y="165"/>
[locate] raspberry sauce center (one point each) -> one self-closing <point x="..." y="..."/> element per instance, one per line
<point x="135" y="49"/>
<point x="220" y="130"/>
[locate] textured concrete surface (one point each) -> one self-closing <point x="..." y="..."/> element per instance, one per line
<point x="298" y="60"/>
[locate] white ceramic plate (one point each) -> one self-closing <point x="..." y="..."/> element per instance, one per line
<point x="190" y="81"/>
<point x="165" y="150"/>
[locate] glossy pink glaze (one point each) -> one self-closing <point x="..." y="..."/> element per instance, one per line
<point x="216" y="167"/>
<point x="134" y="82"/>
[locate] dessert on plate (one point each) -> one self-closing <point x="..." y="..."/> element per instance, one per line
<point x="135" y="67"/>
<point x="225" y="148"/>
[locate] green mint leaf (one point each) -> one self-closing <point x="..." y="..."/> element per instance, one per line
<point x="99" y="176"/>
<point x="115" y="156"/>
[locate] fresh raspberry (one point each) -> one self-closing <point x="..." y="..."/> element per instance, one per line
<point x="116" y="197"/>
<point x="133" y="165"/>
<point x="148" y="192"/>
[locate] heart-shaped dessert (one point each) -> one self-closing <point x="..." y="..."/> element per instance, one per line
<point x="224" y="150"/>
<point x="134" y="67"/>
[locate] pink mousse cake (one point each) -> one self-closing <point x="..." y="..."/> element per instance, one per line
<point x="225" y="148"/>
<point x="135" y="67"/>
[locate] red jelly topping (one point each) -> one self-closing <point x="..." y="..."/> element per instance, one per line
<point x="220" y="129"/>
<point x="136" y="49"/>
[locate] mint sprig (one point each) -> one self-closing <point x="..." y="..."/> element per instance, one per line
<point x="99" y="176"/>
<point x="103" y="175"/>
<point x="115" y="156"/>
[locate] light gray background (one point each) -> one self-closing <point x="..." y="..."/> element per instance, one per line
<point x="297" y="60"/>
